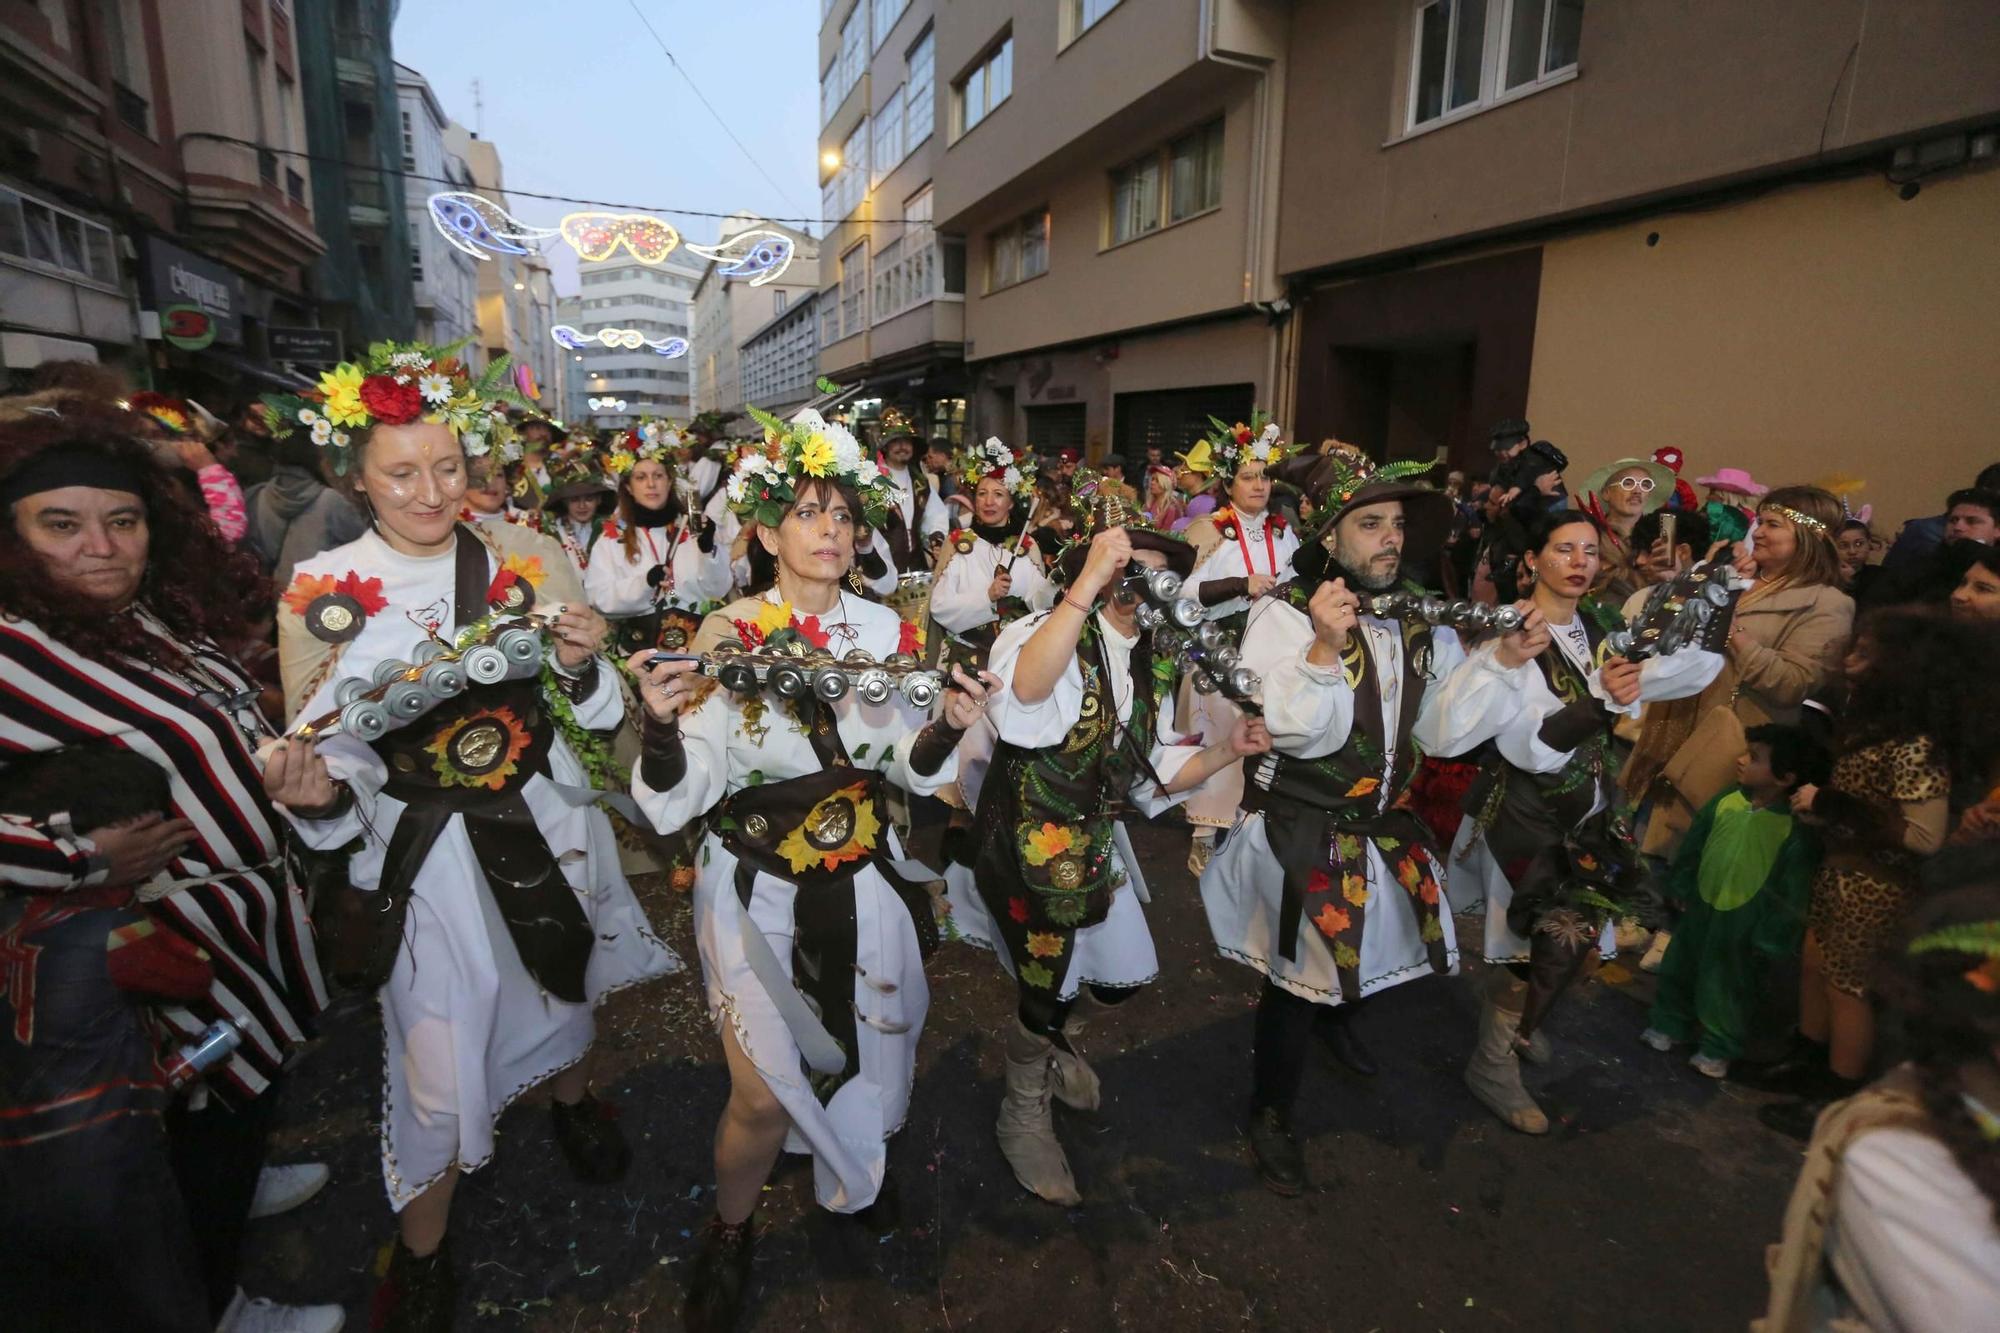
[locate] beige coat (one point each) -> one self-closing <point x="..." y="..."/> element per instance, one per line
<point x="1796" y="639"/>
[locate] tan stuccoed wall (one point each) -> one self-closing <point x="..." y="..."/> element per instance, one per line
<point x="1821" y="329"/>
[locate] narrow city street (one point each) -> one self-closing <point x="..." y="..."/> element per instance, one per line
<point x="1648" y="1208"/>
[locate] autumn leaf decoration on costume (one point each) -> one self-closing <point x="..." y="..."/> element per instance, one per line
<point x="513" y="587"/>
<point x="335" y="609"/>
<point x="910" y="638"/>
<point x="840" y="828"/>
<point x="481" y="749"/>
<point x="777" y="628"/>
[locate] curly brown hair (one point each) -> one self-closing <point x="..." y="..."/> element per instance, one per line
<point x="194" y="583"/>
<point x="1929" y="675"/>
<point x="1951" y="1014"/>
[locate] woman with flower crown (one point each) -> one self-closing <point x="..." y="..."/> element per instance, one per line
<point x="577" y="500"/>
<point x="1243" y="550"/>
<point x="812" y="929"/>
<point x="496" y="916"/>
<point x="991" y="573"/>
<point x="663" y="569"/>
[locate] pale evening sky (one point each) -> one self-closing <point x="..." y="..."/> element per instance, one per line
<point x="580" y="100"/>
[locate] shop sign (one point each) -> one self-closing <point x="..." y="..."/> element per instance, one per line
<point x="187" y="327"/>
<point x="177" y="279"/>
<point x="312" y="347"/>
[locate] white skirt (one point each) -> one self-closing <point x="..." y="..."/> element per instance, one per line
<point x="1243" y="892"/>
<point x="1476" y="881"/>
<point x="1116" y="952"/>
<point x="848" y="1135"/>
<point x="466" y="1028"/>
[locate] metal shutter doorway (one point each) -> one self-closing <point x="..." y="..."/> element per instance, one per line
<point x="1052" y="429"/>
<point x="1173" y="419"/>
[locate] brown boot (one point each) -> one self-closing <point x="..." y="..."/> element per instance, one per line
<point x="1026" y="1128"/>
<point x="416" y="1295"/>
<point x="1494" y="1071"/>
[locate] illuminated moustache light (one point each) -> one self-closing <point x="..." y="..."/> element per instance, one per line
<point x="606" y="404"/>
<point x="758" y="255"/>
<point x="630" y="340"/>
<point x="478" y="226"/>
<point x="598" y="236"/>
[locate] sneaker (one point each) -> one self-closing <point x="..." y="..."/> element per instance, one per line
<point x="1656" y="951"/>
<point x="283" y="1188"/>
<point x="247" y="1315"/>
<point x="1709" y="1066"/>
<point x="1657" y="1039"/>
<point x="1280" y="1162"/>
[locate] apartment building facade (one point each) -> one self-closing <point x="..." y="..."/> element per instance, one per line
<point x="726" y="311"/>
<point x="353" y="128"/>
<point x="779" y="362"/>
<point x="443" y="278"/>
<point x="1762" y="233"/>
<point x="891" y="302"/>
<point x="1111" y="170"/>
<point x="145" y="167"/>
<point x="655" y="300"/>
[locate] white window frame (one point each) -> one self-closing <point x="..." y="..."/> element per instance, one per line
<point x="998" y="56"/>
<point x="920" y="81"/>
<point x="854" y="289"/>
<point x="1500" y="18"/>
<point x="96" y="246"/>
<point x="886" y="14"/>
<point x="888" y="139"/>
<point x="1161" y="159"/>
<point x="1144" y="226"/>
<point x="1078" y="17"/>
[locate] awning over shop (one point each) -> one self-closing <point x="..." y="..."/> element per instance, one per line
<point x="219" y="361"/>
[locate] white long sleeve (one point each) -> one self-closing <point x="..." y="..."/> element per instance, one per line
<point x="1038" y="726"/>
<point x="959" y="598"/>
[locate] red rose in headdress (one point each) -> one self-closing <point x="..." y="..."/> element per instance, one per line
<point x="390" y="403"/>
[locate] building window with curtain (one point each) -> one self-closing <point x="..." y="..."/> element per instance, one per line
<point x="1469" y="54"/>
<point x="1018" y="251"/>
<point x="1177" y="181"/>
<point x="1079" y="17"/>
<point x="984" y="87"/>
<point x="886" y="14"/>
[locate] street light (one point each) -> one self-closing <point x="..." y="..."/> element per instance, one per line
<point x="520" y="286"/>
<point x="830" y="160"/>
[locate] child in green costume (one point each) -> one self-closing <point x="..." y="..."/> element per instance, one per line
<point x="1745" y="871"/>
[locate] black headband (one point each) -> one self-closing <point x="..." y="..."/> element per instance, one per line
<point x="57" y="468"/>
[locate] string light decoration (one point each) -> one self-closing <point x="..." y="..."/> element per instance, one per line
<point x="481" y="228"/>
<point x="606" y="404"/>
<point x="629" y="340"/>
<point x="478" y="226"/>
<point x="598" y="236"/>
<point x="760" y="255"/>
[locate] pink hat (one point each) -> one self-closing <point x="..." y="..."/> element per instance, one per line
<point x="1733" y="479"/>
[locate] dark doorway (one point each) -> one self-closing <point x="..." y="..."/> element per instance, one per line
<point x="1406" y="363"/>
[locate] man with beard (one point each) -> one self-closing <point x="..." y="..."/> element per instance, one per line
<point x="917" y="519"/>
<point x="1330" y="885"/>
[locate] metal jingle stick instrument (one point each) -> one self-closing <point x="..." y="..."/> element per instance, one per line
<point x="1472" y="617"/>
<point x="1695" y="610"/>
<point x="402" y="692"/>
<point x="818" y="673"/>
<point x="1181" y="627"/>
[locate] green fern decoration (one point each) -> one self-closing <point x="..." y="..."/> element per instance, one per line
<point x="1978" y="938"/>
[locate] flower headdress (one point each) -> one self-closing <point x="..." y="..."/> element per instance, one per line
<point x="765" y="481"/>
<point x="1229" y="447"/>
<point x="169" y="412"/>
<point x="994" y="459"/>
<point x="652" y="440"/>
<point x="1098" y="510"/>
<point x="399" y="383"/>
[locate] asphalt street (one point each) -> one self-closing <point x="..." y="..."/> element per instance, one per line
<point x="1648" y="1208"/>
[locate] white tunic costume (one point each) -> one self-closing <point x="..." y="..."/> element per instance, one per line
<point x="616" y="582"/>
<point x="1260" y="547"/>
<point x="733" y="742"/>
<point x="468" y="1029"/>
<point x="1117" y="951"/>
<point x="1476" y="875"/>
<point x="959" y="600"/>
<point x="1309" y="710"/>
